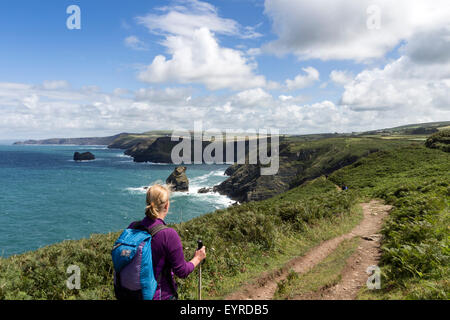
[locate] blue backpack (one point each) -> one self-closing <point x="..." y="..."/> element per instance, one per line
<point x="125" y="250"/>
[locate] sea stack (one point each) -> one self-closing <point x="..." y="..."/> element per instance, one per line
<point x="178" y="179"/>
<point x="83" y="156"/>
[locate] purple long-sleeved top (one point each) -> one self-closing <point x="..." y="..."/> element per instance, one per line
<point x="167" y="250"/>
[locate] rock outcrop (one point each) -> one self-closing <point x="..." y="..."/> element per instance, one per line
<point x="247" y="184"/>
<point x="204" y="190"/>
<point x="178" y="179"/>
<point x="83" y="156"/>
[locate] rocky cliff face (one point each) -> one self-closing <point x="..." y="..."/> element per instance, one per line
<point x="247" y="184"/>
<point x="178" y="179"/>
<point x="160" y="150"/>
<point x="295" y="167"/>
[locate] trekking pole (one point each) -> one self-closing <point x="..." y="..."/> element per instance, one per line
<point x="200" y="245"/>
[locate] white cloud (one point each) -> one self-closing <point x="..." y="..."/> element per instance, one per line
<point x="135" y="43"/>
<point x="194" y="54"/>
<point x="408" y="88"/>
<point x="253" y="97"/>
<point x="415" y="86"/>
<point x="341" y="77"/>
<point x="337" y="29"/>
<point x="184" y="17"/>
<point x="172" y="96"/>
<point x="200" y="59"/>
<point x="120" y="91"/>
<point x="303" y="81"/>
<point x="54" y="85"/>
<point x="285" y="98"/>
<point x="431" y="47"/>
<point x="31" y="112"/>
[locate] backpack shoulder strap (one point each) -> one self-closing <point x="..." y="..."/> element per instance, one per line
<point x="152" y="231"/>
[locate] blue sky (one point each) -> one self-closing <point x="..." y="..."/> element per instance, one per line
<point x="294" y="65"/>
<point x="40" y="47"/>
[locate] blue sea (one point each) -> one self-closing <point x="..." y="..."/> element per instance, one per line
<point x="46" y="197"/>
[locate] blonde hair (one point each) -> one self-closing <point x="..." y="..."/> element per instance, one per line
<point x="157" y="198"/>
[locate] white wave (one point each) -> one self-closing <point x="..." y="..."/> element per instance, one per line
<point x="204" y="178"/>
<point x="86" y="161"/>
<point x="154" y="163"/>
<point x="195" y="184"/>
<point x="122" y="155"/>
<point x="138" y="190"/>
<point x="158" y="164"/>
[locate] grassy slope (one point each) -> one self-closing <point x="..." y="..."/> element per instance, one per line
<point x="338" y="152"/>
<point x="257" y="236"/>
<point x="415" y="249"/>
<point x="415" y="259"/>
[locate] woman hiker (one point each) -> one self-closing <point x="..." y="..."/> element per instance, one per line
<point x="166" y="248"/>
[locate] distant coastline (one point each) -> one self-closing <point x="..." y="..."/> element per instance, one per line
<point x="72" y="141"/>
<point x="7" y="142"/>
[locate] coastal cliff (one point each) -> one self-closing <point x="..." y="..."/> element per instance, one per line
<point x="100" y="141"/>
<point x="300" y="160"/>
<point x="159" y="150"/>
<point x="298" y="163"/>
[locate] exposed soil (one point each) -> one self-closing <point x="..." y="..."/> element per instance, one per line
<point x="354" y="274"/>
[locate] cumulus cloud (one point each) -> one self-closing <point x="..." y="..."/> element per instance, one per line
<point x="195" y="55"/>
<point x="341" y="77"/>
<point x="30" y="111"/>
<point x="253" y="97"/>
<point x="415" y="85"/>
<point x="402" y="86"/>
<point x="407" y="90"/>
<point x="303" y="81"/>
<point x="200" y="59"/>
<point x="340" y="29"/>
<point x="432" y="47"/>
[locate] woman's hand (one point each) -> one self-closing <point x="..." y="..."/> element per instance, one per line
<point x="199" y="256"/>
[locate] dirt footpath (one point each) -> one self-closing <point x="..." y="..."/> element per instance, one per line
<point x="354" y="274"/>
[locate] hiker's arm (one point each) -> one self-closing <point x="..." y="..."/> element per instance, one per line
<point x="180" y="266"/>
